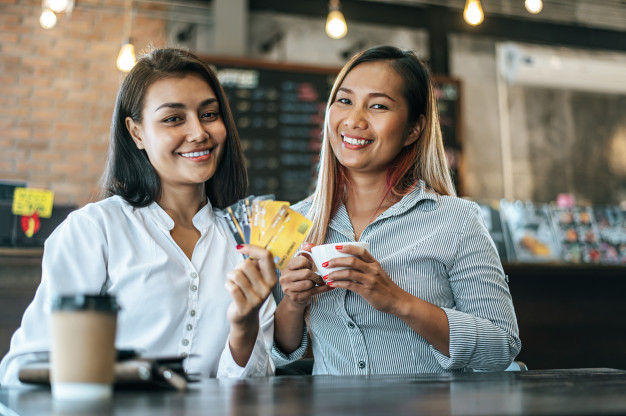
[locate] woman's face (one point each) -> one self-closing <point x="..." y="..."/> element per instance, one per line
<point x="182" y="130"/>
<point x="368" y="120"/>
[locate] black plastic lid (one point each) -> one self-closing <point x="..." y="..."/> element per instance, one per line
<point x="99" y="303"/>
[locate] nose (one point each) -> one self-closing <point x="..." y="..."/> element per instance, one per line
<point x="196" y="131"/>
<point x="356" y="118"/>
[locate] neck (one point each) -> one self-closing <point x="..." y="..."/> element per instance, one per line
<point x="368" y="195"/>
<point x="182" y="204"/>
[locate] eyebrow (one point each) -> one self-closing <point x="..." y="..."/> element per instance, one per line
<point x="372" y="94"/>
<point x="181" y="105"/>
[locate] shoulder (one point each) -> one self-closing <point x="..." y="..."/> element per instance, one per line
<point x="456" y="205"/>
<point x="303" y="206"/>
<point x="101" y="214"/>
<point x="107" y="208"/>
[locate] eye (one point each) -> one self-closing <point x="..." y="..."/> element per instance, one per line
<point x="210" y="115"/>
<point x="172" y="119"/>
<point x="344" y="101"/>
<point x="380" y="107"/>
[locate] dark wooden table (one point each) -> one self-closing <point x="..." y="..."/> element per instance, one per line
<point x="540" y="392"/>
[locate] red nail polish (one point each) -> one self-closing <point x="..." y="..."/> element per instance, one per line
<point x="239" y="246"/>
<point x="338" y="247"/>
<point x="325" y="277"/>
<point x="330" y="284"/>
<point x="325" y="264"/>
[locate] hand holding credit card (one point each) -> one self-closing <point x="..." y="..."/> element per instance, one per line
<point x="269" y="224"/>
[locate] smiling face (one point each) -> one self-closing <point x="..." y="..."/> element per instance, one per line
<point x="181" y="130"/>
<point x="368" y="119"/>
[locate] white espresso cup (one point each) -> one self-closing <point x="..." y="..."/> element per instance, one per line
<point x="326" y="252"/>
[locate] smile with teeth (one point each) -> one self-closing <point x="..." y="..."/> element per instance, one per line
<point x="356" y="142"/>
<point x="196" y="154"/>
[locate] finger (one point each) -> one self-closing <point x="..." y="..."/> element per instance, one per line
<point x="307" y="246"/>
<point x="240" y="279"/>
<point x="266" y="263"/>
<point x="348" y="275"/>
<point x="360" y="252"/>
<point x="303" y="275"/>
<point x="299" y="262"/>
<point x="351" y="262"/>
<point x="235" y="293"/>
<point x="301" y="286"/>
<point x="251" y="271"/>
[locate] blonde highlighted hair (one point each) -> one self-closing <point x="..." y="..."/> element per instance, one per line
<point x="425" y="159"/>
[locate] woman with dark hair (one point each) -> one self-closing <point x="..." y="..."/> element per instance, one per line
<point x="431" y="295"/>
<point x="156" y="241"/>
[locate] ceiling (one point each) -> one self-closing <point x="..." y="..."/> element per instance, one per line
<point x="606" y="14"/>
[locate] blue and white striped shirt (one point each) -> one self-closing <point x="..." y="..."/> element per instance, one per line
<point x="438" y="249"/>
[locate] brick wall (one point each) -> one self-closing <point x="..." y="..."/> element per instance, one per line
<point x="57" y="91"/>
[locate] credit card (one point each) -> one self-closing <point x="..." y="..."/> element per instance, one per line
<point x="285" y="234"/>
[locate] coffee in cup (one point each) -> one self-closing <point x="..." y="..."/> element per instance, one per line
<point x="83" y="346"/>
<point x="325" y="252"/>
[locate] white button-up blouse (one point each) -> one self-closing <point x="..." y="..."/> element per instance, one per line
<point x="170" y="305"/>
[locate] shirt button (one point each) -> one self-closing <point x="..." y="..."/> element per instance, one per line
<point x="361" y="364"/>
<point x="350" y="325"/>
<point x="194" y="288"/>
<point x="186" y="342"/>
<point x="192" y="312"/>
<point x="189" y="327"/>
<point x="193" y="275"/>
<point x="183" y="354"/>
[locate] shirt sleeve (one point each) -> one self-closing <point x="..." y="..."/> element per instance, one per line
<point x="73" y="261"/>
<point x="279" y="357"/>
<point x="260" y="363"/>
<point x="483" y="328"/>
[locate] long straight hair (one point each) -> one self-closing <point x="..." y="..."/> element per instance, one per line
<point x="425" y="159"/>
<point x="128" y="172"/>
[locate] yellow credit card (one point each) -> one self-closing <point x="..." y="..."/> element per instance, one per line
<point x="263" y="212"/>
<point x="285" y="234"/>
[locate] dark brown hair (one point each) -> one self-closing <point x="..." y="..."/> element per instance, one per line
<point x="129" y="172"/>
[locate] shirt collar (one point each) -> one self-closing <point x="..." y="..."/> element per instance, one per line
<point x="420" y="197"/>
<point x="201" y="220"/>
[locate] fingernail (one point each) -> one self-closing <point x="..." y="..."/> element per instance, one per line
<point x="325" y="277"/>
<point x="330" y="284"/>
<point x="325" y="264"/>
<point x="338" y="247"/>
<point x="239" y="246"/>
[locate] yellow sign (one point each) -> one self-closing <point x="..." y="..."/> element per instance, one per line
<point x="27" y="201"/>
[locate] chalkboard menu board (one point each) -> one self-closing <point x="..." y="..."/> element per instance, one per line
<point x="279" y="112"/>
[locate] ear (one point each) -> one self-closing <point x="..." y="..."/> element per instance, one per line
<point x="416" y="130"/>
<point x="135" y="132"/>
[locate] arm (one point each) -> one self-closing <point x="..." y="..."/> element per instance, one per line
<point x="483" y="327"/>
<point x="481" y="332"/>
<point x="74" y="260"/>
<point x="251" y="317"/>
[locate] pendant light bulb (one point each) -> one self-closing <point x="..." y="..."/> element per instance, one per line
<point x="336" y="26"/>
<point x="58" y="6"/>
<point x="126" y="59"/>
<point x="533" y="6"/>
<point x="473" y="12"/>
<point x="48" y="19"/>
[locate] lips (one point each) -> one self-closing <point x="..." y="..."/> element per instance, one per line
<point x="355" y="141"/>
<point x="199" y="153"/>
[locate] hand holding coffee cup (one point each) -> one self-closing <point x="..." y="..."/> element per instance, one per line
<point x="322" y="254"/>
<point x="83" y="346"/>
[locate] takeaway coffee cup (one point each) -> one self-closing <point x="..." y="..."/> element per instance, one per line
<point x="83" y="346"/>
<point x="325" y="252"/>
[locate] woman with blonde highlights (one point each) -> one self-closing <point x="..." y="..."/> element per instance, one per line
<point x="430" y="294"/>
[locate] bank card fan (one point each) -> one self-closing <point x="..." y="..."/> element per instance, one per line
<point x="265" y="222"/>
